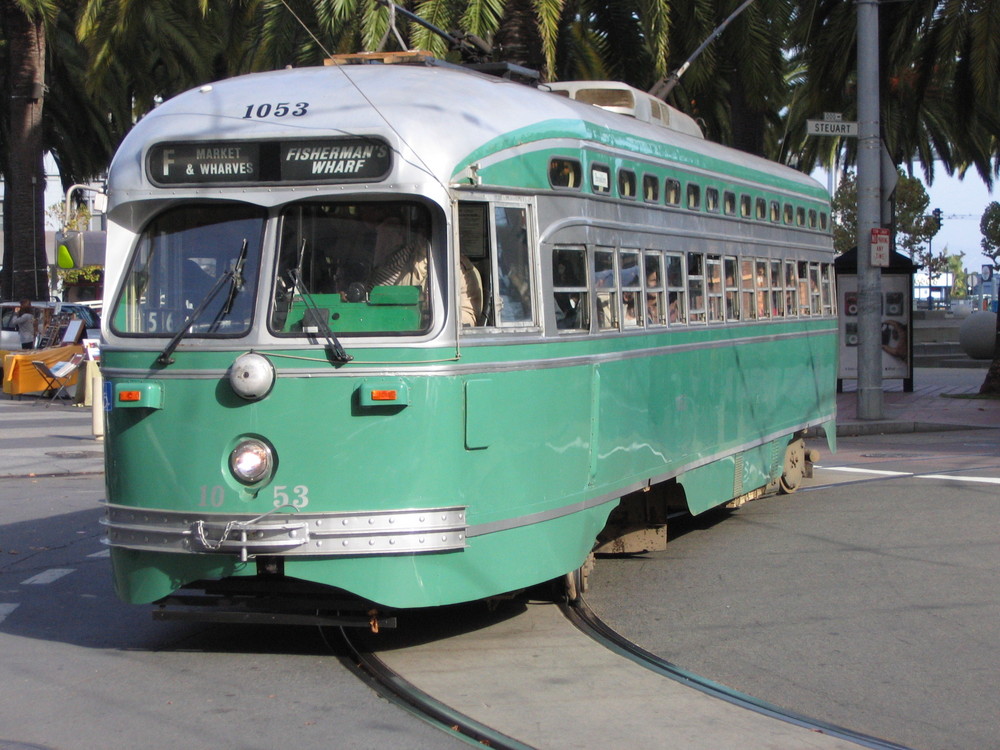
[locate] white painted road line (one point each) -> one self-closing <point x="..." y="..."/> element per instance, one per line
<point x="101" y="553"/>
<point x="882" y="473"/>
<point x="955" y="478"/>
<point x="875" y="472"/>
<point x="48" y="576"/>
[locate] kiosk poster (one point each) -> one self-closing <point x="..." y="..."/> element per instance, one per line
<point x="895" y="326"/>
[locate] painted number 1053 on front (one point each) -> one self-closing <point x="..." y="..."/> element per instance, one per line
<point x="283" y="496"/>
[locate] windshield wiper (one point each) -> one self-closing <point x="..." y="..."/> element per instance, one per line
<point x="238" y="281"/>
<point x="333" y="348"/>
<point x="235" y="276"/>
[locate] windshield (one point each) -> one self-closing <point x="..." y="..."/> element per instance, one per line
<point x="355" y="267"/>
<point x="181" y="258"/>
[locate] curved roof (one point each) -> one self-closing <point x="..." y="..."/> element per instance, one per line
<point x="437" y="118"/>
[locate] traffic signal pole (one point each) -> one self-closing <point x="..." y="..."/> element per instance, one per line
<point x="870" y="404"/>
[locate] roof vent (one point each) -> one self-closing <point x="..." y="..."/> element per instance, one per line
<point x="626" y="100"/>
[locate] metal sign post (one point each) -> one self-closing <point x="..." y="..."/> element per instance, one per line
<point x="870" y="402"/>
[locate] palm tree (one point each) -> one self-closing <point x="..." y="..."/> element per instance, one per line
<point x="940" y="88"/>
<point x="81" y="129"/>
<point x="158" y="48"/>
<point x="24" y="26"/>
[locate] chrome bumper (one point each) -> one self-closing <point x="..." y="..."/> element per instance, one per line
<point x="299" y="534"/>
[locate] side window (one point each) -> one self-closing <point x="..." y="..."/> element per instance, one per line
<point x="745" y="206"/>
<point x="829" y="303"/>
<point x="514" y="285"/>
<point x="600" y="179"/>
<point x="747" y="290"/>
<point x="693" y="196"/>
<point x="729" y="203"/>
<point x="777" y="291"/>
<point x="626" y="183"/>
<point x="673" y="192"/>
<point x="761" y="210"/>
<point x="696" y="286"/>
<point x="800" y="217"/>
<point x="564" y="173"/>
<point x="630" y="278"/>
<point x="803" y="288"/>
<point x="775" y="211"/>
<point x="787" y="213"/>
<point x="650" y="188"/>
<point x="655" y="308"/>
<point x="815" y="300"/>
<point x="713" y="268"/>
<point x="712" y="199"/>
<point x="732" y="290"/>
<point x="474" y="248"/>
<point x="676" y="289"/>
<point x="791" y="284"/>
<point x="606" y="290"/>
<point x="569" y="289"/>
<point x="763" y="284"/>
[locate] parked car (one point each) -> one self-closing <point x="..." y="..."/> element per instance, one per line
<point x="9" y="339"/>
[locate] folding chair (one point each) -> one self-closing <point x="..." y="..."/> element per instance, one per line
<point x="58" y="376"/>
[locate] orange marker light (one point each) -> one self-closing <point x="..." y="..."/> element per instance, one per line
<point x="129" y="395"/>
<point x="384" y="395"/>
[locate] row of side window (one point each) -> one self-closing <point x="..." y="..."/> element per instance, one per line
<point x="651" y="288"/>
<point x="568" y="173"/>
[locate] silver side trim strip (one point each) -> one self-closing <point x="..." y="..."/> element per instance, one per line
<point x="417" y="368"/>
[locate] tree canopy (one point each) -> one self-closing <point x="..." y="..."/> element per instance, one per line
<point x="104" y="63"/>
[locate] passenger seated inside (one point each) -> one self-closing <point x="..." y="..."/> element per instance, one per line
<point x="472" y="293"/>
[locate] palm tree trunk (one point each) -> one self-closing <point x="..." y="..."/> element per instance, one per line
<point x="25" y="271"/>
<point x="518" y="38"/>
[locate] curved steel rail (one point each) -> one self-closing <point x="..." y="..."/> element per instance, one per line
<point x="590" y="624"/>
<point x="393" y="687"/>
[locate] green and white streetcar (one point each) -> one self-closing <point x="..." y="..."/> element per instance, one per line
<point x="394" y="331"/>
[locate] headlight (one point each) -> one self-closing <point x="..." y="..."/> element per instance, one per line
<point x="252" y="376"/>
<point x="251" y="461"/>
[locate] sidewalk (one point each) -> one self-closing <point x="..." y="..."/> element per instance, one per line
<point x="928" y="408"/>
<point x="40" y="440"/>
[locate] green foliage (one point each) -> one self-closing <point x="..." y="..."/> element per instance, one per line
<point x="989" y="225"/>
<point x="84" y="275"/>
<point x="960" y="286"/>
<point x="914" y="226"/>
<point x="79" y="217"/>
<point x="940" y="85"/>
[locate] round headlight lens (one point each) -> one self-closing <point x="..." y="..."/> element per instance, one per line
<point x="251" y="461"/>
<point x="252" y="376"/>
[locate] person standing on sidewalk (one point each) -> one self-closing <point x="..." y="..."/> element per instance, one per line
<point x="25" y="322"/>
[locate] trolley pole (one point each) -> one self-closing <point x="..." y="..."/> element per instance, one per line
<point x="869" y="215"/>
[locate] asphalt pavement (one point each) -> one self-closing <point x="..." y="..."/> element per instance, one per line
<point x="40" y="438"/>
<point x="691" y="590"/>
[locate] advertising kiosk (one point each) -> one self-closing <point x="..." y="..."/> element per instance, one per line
<point x="897" y="318"/>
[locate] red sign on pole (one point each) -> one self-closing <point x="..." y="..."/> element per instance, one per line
<point x="880" y="247"/>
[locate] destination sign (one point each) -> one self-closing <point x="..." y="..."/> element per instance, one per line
<point x="269" y="162"/>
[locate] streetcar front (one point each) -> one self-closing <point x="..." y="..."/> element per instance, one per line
<point x="280" y="274"/>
